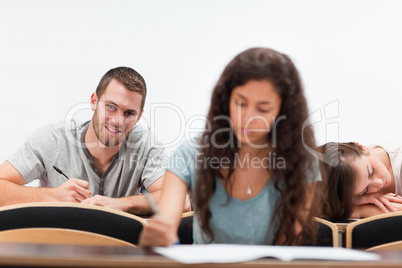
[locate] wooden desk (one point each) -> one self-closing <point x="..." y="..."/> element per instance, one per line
<point x="31" y="255"/>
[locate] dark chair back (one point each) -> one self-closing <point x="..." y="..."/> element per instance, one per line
<point x="327" y="234"/>
<point x="327" y="231"/>
<point x="95" y="219"/>
<point x="374" y="231"/>
<point x="185" y="231"/>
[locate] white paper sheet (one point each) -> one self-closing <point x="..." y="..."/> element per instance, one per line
<point x="224" y="253"/>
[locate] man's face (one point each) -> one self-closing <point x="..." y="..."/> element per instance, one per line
<point x="116" y="112"/>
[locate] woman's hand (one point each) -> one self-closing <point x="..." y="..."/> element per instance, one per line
<point x="162" y="228"/>
<point x="158" y="233"/>
<point x="381" y="201"/>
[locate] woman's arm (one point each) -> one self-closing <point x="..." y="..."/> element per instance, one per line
<point x="384" y="202"/>
<point x="162" y="228"/>
<point x="367" y="210"/>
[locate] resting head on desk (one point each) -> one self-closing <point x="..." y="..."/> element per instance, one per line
<point x="360" y="182"/>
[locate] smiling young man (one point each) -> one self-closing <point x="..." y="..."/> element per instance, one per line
<point x="107" y="159"/>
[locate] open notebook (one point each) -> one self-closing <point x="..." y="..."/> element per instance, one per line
<point x="224" y="253"/>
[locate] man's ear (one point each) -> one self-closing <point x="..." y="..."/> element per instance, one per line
<point x="139" y="116"/>
<point x="94" y="101"/>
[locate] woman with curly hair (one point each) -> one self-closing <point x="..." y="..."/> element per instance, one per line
<point x="361" y="181"/>
<point x="250" y="176"/>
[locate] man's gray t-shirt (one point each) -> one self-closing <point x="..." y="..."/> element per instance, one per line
<point x="233" y="221"/>
<point x="140" y="161"/>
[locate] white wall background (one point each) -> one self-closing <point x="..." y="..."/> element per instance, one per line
<point x="53" y="54"/>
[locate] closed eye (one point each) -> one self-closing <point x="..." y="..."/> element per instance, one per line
<point x="364" y="191"/>
<point x="263" y="110"/>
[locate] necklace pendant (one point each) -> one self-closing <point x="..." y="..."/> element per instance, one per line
<point x="248" y="190"/>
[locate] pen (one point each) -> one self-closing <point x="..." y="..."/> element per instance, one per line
<point x="61" y="172"/>
<point x="150" y="200"/>
<point x="153" y="206"/>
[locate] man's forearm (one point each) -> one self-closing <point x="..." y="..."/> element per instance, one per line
<point x="138" y="205"/>
<point x="11" y="193"/>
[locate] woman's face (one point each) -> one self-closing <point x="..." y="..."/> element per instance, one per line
<point x="372" y="175"/>
<point x="253" y="109"/>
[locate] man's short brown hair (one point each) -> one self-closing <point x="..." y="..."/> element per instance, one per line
<point x="130" y="78"/>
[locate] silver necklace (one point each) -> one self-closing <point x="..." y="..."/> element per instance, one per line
<point x="248" y="189"/>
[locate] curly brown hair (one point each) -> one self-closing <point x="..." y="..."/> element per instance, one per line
<point x="291" y="138"/>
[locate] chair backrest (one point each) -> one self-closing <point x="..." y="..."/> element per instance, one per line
<point x="185" y="231"/>
<point x="59" y="236"/>
<point x="328" y="234"/>
<point x="89" y="218"/>
<point x="374" y="231"/>
<point x="327" y="231"/>
<point x="397" y="245"/>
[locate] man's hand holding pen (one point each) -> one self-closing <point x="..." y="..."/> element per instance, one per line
<point x="73" y="190"/>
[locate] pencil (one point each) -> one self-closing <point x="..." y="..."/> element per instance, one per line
<point x="150" y="201"/>
<point x="153" y="206"/>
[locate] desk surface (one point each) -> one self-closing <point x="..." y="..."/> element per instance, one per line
<point x="31" y="255"/>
